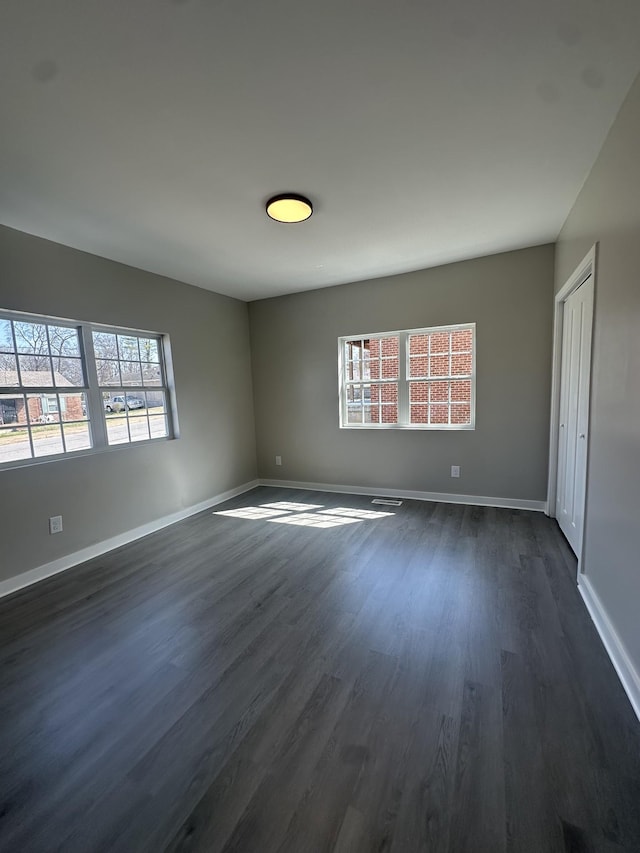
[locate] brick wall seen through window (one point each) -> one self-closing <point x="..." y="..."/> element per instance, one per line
<point x="421" y="378"/>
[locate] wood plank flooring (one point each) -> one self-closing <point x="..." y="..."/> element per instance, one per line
<point x="425" y="681"/>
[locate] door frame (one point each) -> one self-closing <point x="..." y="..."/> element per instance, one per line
<point x="586" y="268"/>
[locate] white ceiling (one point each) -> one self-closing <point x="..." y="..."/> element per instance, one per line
<point x="153" y="131"/>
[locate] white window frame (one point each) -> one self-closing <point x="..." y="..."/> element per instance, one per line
<point x="403" y="379"/>
<point x="93" y="392"/>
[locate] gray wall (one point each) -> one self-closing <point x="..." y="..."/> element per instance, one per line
<point x="294" y="354"/>
<point x="109" y="493"/>
<point x="608" y="210"/>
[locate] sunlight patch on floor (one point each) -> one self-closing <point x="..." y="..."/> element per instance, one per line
<point x="314" y="519"/>
<point x="289" y="512"/>
<point x="250" y="512"/>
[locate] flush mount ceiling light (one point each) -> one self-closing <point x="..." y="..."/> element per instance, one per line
<point x="289" y="208"/>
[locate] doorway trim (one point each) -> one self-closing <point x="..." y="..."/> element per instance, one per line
<point x="586" y="268"/>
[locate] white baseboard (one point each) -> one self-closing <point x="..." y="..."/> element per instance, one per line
<point x="439" y="497"/>
<point x="63" y="563"/>
<point x="616" y="650"/>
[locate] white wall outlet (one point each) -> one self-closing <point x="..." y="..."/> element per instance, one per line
<point x="278" y="460"/>
<point x="455" y="470"/>
<point x="55" y="524"/>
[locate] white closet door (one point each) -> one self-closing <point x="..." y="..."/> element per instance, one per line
<point x="574" y="413"/>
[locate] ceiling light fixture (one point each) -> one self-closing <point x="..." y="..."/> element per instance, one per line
<point x="289" y="208"/>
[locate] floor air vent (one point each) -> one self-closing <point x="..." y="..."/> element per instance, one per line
<point x="386" y="502"/>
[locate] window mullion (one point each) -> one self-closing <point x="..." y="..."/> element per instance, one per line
<point x="403" y="379"/>
<point x="94" y="395"/>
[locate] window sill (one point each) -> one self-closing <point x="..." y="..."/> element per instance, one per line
<point x="419" y="427"/>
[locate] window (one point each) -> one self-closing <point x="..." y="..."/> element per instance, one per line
<point x="415" y="379"/>
<point x="130" y="378"/>
<point x="68" y="387"/>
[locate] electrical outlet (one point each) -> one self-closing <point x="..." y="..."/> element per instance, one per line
<point x="278" y="460"/>
<point x="455" y="470"/>
<point x="55" y="524"/>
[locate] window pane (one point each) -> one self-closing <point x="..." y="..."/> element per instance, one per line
<point x="120" y="401"/>
<point x="64" y="341"/>
<point x="389" y="392"/>
<point x="72" y="407"/>
<point x="461" y="391"/>
<point x="418" y="365"/>
<point x="156" y="402"/>
<point x="354" y="370"/>
<point x="439" y="365"/>
<point x="419" y="414"/>
<point x="461" y="364"/>
<point x="117" y="430"/>
<point x="35" y="371"/>
<point x="135" y="400"/>
<point x="389" y="347"/>
<point x="389" y="368"/>
<point x="138" y="427"/>
<point x="151" y="374"/>
<point x="67" y="371"/>
<point x="47" y="440"/>
<point x="149" y="350"/>
<point x="8" y="370"/>
<point x="12" y="409"/>
<point x="365" y="366"/>
<point x="6" y="338"/>
<point x="462" y="340"/>
<point x="113" y="403"/>
<point x="105" y="345"/>
<point x="439" y="392"/>
<point x="131" y="374"/>
<point x="43" y="408"/>
<point x="128" y="348"/>
<point x="14" y="444"/>
<point x="440" y="342"/>
<point x="158" y="426"/>
<point x="77" y="436"/>
<point x="389" y="414"/>
<point x="419" y="392"/>
<point x="354" y="413"/>
<point x="418" y="344"/>
<point x="31" y="338"/>
<point x="108" y="372"/>
<point x="371" y="414"/>
<point x="371" y="369"/>
<point x="354" y="393"/>
<point x="439" y="414"/>
<point x="460" y="413"/>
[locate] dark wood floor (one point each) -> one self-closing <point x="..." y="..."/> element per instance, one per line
<point x="429" y="681"/>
